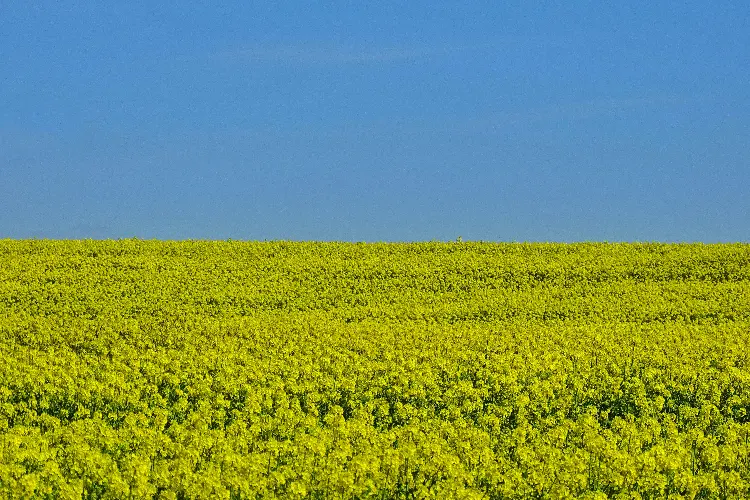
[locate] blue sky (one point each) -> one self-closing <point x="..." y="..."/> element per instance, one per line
<point x="381" y="121"/>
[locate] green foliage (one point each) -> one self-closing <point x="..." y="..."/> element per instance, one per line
<point x="146" y="369"/>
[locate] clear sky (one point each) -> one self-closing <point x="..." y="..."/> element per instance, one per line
<point x="376" y="121"/>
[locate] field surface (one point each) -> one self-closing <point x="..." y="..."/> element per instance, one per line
<point x="148" y="369"/>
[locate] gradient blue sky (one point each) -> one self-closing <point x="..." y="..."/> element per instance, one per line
<point x="381" y="121"/>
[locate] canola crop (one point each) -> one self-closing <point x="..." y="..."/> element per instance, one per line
<point x="195" y="369"/>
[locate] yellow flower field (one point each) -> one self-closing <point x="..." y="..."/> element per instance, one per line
<point x="227" y="369"/>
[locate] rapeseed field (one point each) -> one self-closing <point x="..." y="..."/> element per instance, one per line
<point x="225" y="369"/>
